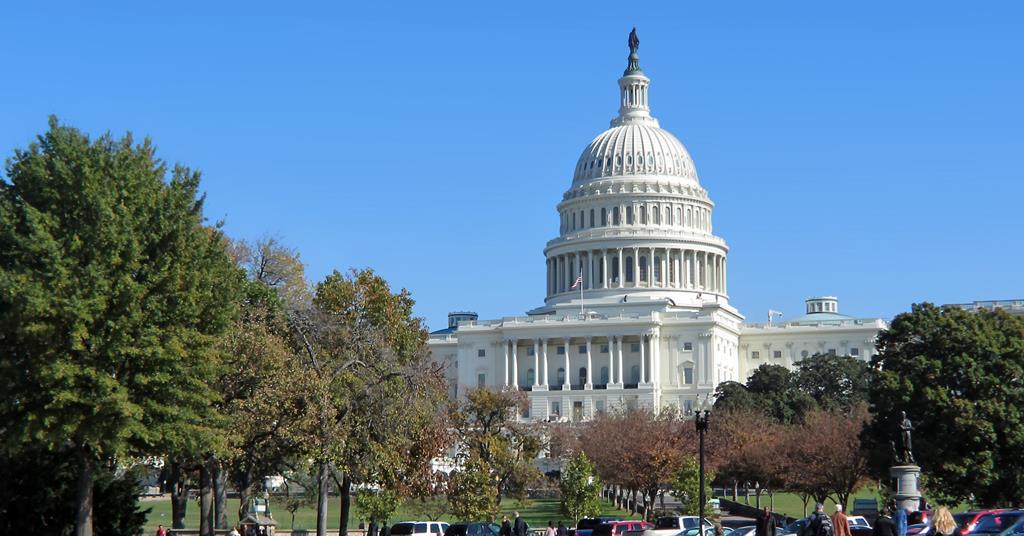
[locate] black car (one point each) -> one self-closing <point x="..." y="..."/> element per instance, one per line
<point x="472" y="529"/>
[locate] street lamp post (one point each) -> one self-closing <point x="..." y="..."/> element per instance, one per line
<point x="701" y="421"/>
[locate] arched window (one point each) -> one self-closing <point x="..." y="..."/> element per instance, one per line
<point x="573" y="221"/>
<point x="679" y="216"/>
<point x="604" y="217"/>
<point x="583" y="375"/>
<point x="656" y="215"/>
<point x="530" y="376"/>
<point x="560" y="376"/>
<point x="615" y="270"/>
<point x="629" y="269"/>
<point x="657" y="269"/>
<point x="604" y="375"/>
<point x="591" y="217"/>
<point x="643" y="215"/>
<point x="615" y="216"/>
<point x="583" y="219"/>
<point x="629" y="215"/>
<point x="634" y="374"/>
<point x="643" y="268"/>
<point x="668" y="215"/>
<point x="671" y="269"/>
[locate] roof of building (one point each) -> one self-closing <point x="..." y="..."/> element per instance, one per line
<point x="816" y="318"/>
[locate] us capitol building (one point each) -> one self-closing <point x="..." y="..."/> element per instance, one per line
<point x="650" y="324"/>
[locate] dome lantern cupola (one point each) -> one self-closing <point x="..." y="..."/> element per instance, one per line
<point x="633" y="86"/>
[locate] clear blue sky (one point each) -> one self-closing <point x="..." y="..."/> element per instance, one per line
<point x="868" y="150"/>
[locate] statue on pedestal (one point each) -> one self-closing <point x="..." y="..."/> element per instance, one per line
<point x="906" y="444"/>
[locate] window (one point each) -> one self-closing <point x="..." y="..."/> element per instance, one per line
<point x="657" y="269"/>
<point x="803" y="353"/>
<point x="643" y="214"/>
<point x="599" y="406"/>
<point x="655" y="215"/>
<point x="688" y="346"/>
<point x="573" y="221"/>
<point x="634" y="374"/>
<point x="615" y="270"/>
<point x="604" y="217"/>
<point x="615" y="215"/>
<point x="531" y="376"/>
<point x="629" y="215"/>
<point x="634" y="347"/>
<point x="582" y="349"/>
<point x="688" y="407"/>
<point x="529" y="351"/>
<point x="604" y="374"/>
<point x="561" y="350"/>
<point x="591" y="217"/>
<point x="855" y="352"/>
<point x="629" y="269"/>
<point x="481" y="353"/>
<point x="643" y="268"/>
<point x="604" y="348"/>
<point x="560" y="376"/>
<point x="777" y="354"/>
<point x="688" y="375"/>
<point x="668" y="215"/>
<point x="755" y="355"/>
<point x="556" y="408"/>
<point x="583" y="374"/>
<point x="481" y="380"/>
<point x="832" y="351"/>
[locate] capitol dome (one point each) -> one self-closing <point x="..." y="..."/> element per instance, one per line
<point x="635" y="149"/>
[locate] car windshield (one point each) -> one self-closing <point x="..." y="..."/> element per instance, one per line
<point x="963" y="519"/>
<point x="588" y="523"/>
<point x="401" y="529"/>
<point x="859" y="521"/>
<point x="602" y="530"/>
<point x="667" y="523"/>
<point x="996" y="522"/>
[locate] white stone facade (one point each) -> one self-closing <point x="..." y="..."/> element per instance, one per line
<point x="650" y="324"/>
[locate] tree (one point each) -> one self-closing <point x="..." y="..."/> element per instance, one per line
<point x="957" y="376"/>
<point x="772" y="389"/>
<point x="471" y="492"/>
<point x="835" y="451"/>
<point x="486" y="422"/>
<point x="580" y="488"/>
<point x="686" y="485"/>
<point x="377" y="505"/>
<point x="112" y="293"/>
<point x="836" y="383"/>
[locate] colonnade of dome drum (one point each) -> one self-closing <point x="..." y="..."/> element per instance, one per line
<point x="638" y="267"/>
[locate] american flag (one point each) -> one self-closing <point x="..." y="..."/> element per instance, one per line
<point x="578" y="282"/>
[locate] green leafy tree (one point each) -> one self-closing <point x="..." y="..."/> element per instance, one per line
<point x="112" y="295"/>
<point x="580" y="488"/>
<point x="471" y="492"/>
<point x="835" y="382"/>
<point x="686" y="485"/>
<point x="377" y="505"/>
<point x="957" y="375"/>
<point x="772" y="389"/>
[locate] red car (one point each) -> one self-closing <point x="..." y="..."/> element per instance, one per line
<point x="616" y="528"/>
<point x="969" y="520"/>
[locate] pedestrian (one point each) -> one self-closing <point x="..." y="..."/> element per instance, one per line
<point x="562" y="531"/>
<point x="899" y="518"/>
<point x="840" y="525"/>
<point x="884" y="525"/>
<point x="519" y="526"/>
<point x="944" y="523"/>
<point x="765" y="523"/>
<point x="818" y="523"/>
<point x="551" y="529"/>
<point x="506" y="527"/>
<point x="161" y="531"/>
<point x="234" y="532"/>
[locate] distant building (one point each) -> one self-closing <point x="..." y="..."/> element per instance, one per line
<point x="1014" y="307"/>
<point x="637" y="308"/>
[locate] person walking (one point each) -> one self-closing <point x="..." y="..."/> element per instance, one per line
<point x="550" y="531"/>
<point x="506" y="527"/>
<point x="944" y="523"/>
<point x="840" y="525"/>
<point x="562" y="531"/>
<point x="884" y="525"/>
<point x="818" y="523"/>
<point x="161" y="531"/>
<point x="765" y="524"/>
<point x="899" y="518"/>
<point x="519" y="526"/>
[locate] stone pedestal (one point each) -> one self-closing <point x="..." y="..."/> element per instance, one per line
<point x="907" y="478"/>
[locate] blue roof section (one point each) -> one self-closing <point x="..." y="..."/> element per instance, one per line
<point x="814" y="318"/>
<point x="444" y="331"/>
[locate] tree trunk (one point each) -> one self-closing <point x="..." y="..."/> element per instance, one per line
<point x="321" y="500"/>
<point x="220" y="497"/>
<point x="245" y="494"/>
<point x="735" y="489"/>
<point x="83" y="505"/>
<point x="179" y="496"/>
<point x="346" y="504"/>
<point x="206" y="499"/>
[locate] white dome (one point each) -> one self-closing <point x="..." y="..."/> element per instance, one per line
<point x="634" y="149"/>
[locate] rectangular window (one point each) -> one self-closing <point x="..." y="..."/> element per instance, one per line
<point x="599" y="406"/>
<point x="556" y="409"/>
<point x="777" y="354"/>
<point x="831" y="351"/>
<point x="583" y="348"/>
<point x="481" y="353"/>
<point x="687" y="406"/>
<point x="855" y="352"/>
<point x="481" y="380"/>
<point x="635" y="347"/>
<point x="529" y="351"/>
<point x="688" y="346"/>
<point x="755" y="355"/>
<point x="561" y="350"/>
<point x="688" y="375"/>
<point x="604" y="217"/>
<point x="604" y="348"/>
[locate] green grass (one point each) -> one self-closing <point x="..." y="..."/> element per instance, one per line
<point x="537" y="513"/>
<point x="791" y="505"/>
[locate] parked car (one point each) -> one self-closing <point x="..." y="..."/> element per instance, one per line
<point x="966" y="521"/>
<point x="996" y="523"/>
<point x="918" y="529"/>
<point x="616" y="528"/>
<point x="470" y="529"/>
<point x="859" y="526"/>
<point x="586" y="526"/>
<point x="673" y="525"/>
<point x="419" y="528"/>
<point x="746" y="530"/>
<point x="796" y="527"/>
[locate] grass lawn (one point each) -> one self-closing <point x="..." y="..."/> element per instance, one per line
<point x="536" y="512"/>
<point x="791" y="505"/>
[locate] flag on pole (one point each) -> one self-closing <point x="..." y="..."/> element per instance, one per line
<point x="578" y="282"/>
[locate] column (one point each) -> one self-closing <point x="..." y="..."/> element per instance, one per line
<point x="643" y="358"/>
<point x="678" y="263"/>
<point x="636" y="267"/>
<point x="515" y="364"/>
<point x="506" y="363"/>
<point x="664" y="269"/>
<point x="650" y="268"/>
<point x="611" y="359"/>
<point x="673" y="360"/>
<point x="725" y="278"/>
<point x="536" y="363"/>
<point x="655" y="358"/>
<point x="604" y="268"/>
<point x="544" y="349"/>
<point x="590" y="366"/>
<point x="590" y="269"/>
<point x="622" y="374"/>
<point x="568" y="382"/>
<point x="622" y="273"/>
